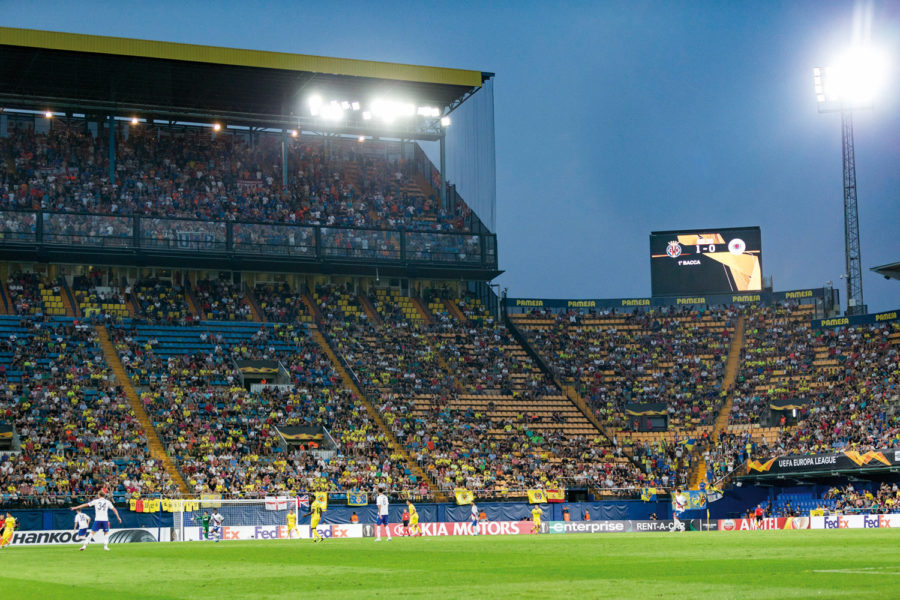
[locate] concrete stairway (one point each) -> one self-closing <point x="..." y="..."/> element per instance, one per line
<point x="373" y="315"/>
<point x="698" y="473"/>
<point x="157" y="451"/>
<point x="193" y="305"/>
<point x="423" y="310"/>
<point x="396" y="447"/>
<point x="68" y="301"/>
<point x="453" y="309"/>
<point x="253" y="303"/>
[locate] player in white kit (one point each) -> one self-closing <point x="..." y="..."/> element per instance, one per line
<point x="680" y="502"/>
<point x="215" y="522"/>
<point x="82" y="522"/>
<point x="381" y="501"/>
<point x="101" y="507"/>
<point x="474" y="519"/>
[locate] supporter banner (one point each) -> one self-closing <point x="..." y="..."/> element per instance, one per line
<point x="116" y="536"/>
<point x="464" y="496"/>
<point x="855" y="521"/>
<point x="872" y="319"/>
<point x="764" y="524"/>
<point x="625" y="526"/>
<point x="843" y="461"/>
<point x="696" y="499"/>
<point x="357" y="498"/>
<point x="537" y="497"/>
<point x="464" y="528"/>
<point x="710" y="299"/>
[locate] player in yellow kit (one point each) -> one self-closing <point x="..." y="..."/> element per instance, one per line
<point x="536" y="513"/>
<point x="292" y="524"/>
<point x="9" y="526"/>
<point x="315" y="514"/>
<point x="413" y="520"/>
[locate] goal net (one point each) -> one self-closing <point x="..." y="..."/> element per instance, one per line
<point x="244" y="519"/>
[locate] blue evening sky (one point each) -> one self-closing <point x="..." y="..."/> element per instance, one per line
<point x="612" y="119"/>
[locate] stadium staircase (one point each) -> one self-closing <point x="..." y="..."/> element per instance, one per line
<point x="396" y="447"/>
<point x="454" y="311"/>
<point x="313" y="309"/>
<point x="68" y="302"/>
<point x="569" y="390"/>
<point x="157" y="451"/>
<point x="253" y="303"/>
<point x="192" y="303"/>
<point x="426" y="314"/>
<point x="4" y="295"/>
<point x="698" y="474"/>
<point x="373" y="315"/>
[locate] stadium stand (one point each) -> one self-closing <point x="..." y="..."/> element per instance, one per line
<point x="225" y="438"/>
<point x="466" y="401"/>
<point x="673" y="357"/>
<point x="187" y="173"/>
<point x="76" y="432"/>
<point x="841" y="382"/>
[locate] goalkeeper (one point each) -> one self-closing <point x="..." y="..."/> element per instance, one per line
<point x="204" y="524"/>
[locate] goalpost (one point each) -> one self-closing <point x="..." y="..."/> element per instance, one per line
<point x="244" y="519"/>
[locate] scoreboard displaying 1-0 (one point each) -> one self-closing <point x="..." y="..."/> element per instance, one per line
<point x="705" y="261"/>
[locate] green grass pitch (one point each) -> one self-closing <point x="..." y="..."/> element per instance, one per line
<point x="757" y="565"/>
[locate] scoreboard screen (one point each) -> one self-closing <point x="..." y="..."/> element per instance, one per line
<point x="705" y="261"/>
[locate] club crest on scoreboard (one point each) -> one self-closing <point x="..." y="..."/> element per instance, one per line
<point x="673" y="249"/>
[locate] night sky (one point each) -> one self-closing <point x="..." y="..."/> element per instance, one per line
<point x="613" y="119"/>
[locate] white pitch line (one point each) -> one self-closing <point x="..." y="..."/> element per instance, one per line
<point x="862" y="571"/>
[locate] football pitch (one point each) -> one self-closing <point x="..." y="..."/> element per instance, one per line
<point x="763" y="564"/>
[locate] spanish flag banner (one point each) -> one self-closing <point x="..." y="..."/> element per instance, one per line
<point x="537" y="496"/>
<point x="556" y="495"/>
<point x="322" y="499"/>
<point x="464" y="496"/>
<point x="357" y="498"/>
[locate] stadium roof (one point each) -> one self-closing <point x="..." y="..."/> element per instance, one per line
<point x="50" y="70"/>
<point x="891" y="271"/>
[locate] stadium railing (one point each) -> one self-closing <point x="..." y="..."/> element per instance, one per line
<point x="136" y="233"/>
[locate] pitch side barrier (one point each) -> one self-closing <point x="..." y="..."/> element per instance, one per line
<point x="61" y="519"/>
<point x="528" y="304"/>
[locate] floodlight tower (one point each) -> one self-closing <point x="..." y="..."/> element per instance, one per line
<point x="849" y="85"/>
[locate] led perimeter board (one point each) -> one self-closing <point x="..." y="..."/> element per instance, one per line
<point x="705" y="261"/>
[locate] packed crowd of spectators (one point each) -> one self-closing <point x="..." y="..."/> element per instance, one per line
<point x="843" y="383"/>
<point x="664" y="356"/>
<point x="417" y="375"/>
<point x="225" y="438"/>
<point x="193" y="174"/>
<point x="222" y="300"/>
<point x="279" y="304"/>
<point x="847" y="499"/>
<point x="77" y="433"/>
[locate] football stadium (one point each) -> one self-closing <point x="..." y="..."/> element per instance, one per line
<point x="251" y="346"/>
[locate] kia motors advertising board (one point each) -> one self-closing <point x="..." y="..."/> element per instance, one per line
<point x="465" y="528"/>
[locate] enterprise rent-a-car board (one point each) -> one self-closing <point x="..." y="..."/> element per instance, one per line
<point x="705" y="261"/>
